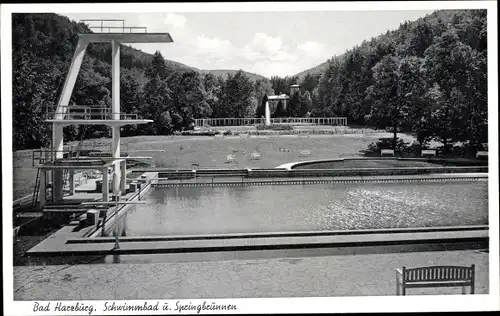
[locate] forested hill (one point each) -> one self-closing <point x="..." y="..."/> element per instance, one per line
<point x="314" y="70"/>
<point x="443" y="17"/>
<point x="428" y="77"/>
<point x="225" y="72"/>
<point x="171" y="93"/>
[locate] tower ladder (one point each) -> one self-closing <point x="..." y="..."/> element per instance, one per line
<point x="37" y="188"/>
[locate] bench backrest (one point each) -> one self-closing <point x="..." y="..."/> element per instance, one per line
<point x="438" y="273"/>
<point x="387" y="151"/>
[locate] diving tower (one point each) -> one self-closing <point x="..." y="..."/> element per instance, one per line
<point x="58" y="162"/>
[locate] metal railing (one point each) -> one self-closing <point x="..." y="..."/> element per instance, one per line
<point x="85" y="112"/>
<point x="236" y="121"/>
<point x="43" y="156"/>
<point x="102" y="27"/>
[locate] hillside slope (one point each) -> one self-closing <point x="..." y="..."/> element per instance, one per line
<point x="317" y="69"/>
<point x="225" y="72"/>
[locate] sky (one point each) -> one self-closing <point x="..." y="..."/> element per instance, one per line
<point x="265" y="43"/>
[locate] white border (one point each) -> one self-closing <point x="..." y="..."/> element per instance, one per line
<point x="289" y="305"/>
<point x="249" y="6"/>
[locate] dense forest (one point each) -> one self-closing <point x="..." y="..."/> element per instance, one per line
<point x="171" y="93"/>
<point x="428" y="77"/>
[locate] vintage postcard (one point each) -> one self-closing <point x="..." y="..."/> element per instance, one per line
<point x="182" y="158"/>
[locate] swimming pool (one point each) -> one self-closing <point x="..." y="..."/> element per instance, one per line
<point x="315" y="207"/>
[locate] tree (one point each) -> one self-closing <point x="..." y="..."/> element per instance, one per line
<point x="30" y="81"/>
<point x="165" y="125"/>
<point x="280" y="110"/>
<point x="294" y="105"/>
<point x="219" y="107"/>
<point x="411" y="91"/>
<point x="317" y="104"/>
<point x="188" y="97"/>
<point x="157" y="67"/>
<point x="279" y="85"/>
<point x="213" y="89"/>
<point x="132" y="84"/>
<point x="419" y="39"/>
<point x="239" y="96"/>
<point x="390" y="95"/>
<point x="460" y="72"/>
<point x="262" y="88"/>
<point x="157" y="100"/>
<point x="309" y="82"/>
<point x="306" y="104"/>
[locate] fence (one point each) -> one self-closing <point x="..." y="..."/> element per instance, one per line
<point x="85" y="112"/>
<point x="233" y="121"/>
<point x="101" y="26"/>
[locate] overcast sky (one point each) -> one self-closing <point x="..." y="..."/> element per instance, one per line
<point x="266" y="43"/>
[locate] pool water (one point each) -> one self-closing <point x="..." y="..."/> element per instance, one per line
<point x="315" y="207"/>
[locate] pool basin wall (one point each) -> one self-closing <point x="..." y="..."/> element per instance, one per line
<point x="256" y="173"/>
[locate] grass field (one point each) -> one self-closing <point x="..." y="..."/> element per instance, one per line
<point x="210" y="152"/>
<point x="368" y="164"/>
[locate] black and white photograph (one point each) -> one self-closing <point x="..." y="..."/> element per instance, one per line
<point x="190" y="158"/>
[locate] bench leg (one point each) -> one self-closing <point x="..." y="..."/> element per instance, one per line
<point x="397" y="283"/>
<point x="404" y="289"/>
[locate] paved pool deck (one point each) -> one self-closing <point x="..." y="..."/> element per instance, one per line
<point x="198" y="277"/>
<point x="65" y="242"/>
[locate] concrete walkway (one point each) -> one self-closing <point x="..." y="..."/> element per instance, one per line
<point x="301" y="276"/>
<point x="239" y="180"/>
<point x="64" y="242"/>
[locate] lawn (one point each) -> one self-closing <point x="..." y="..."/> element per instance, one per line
<point x="368" y="164"/>
<point x="196" y="152"/>
<point x="211" y="152"/>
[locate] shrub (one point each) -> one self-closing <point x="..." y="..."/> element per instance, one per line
<point x="275" y="127"/>
<point x="198" y="133"/>
<point x="386" y="143"/>
<point x="459" y="150"/>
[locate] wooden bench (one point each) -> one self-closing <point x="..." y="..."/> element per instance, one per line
<point x="435" y="276"/>
<point x="387" y="152"/>
<point x="428" y="152"/>
<point x="480" y="154"/>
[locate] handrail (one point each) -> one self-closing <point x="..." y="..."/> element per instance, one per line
<point x="42" y="157"/>
<point x="103" y="20"/>
<point x="86" y="112"/>
<point x="102" y="27"/>
<point x="38" y="154"/>
<point x="130" y="28"/>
